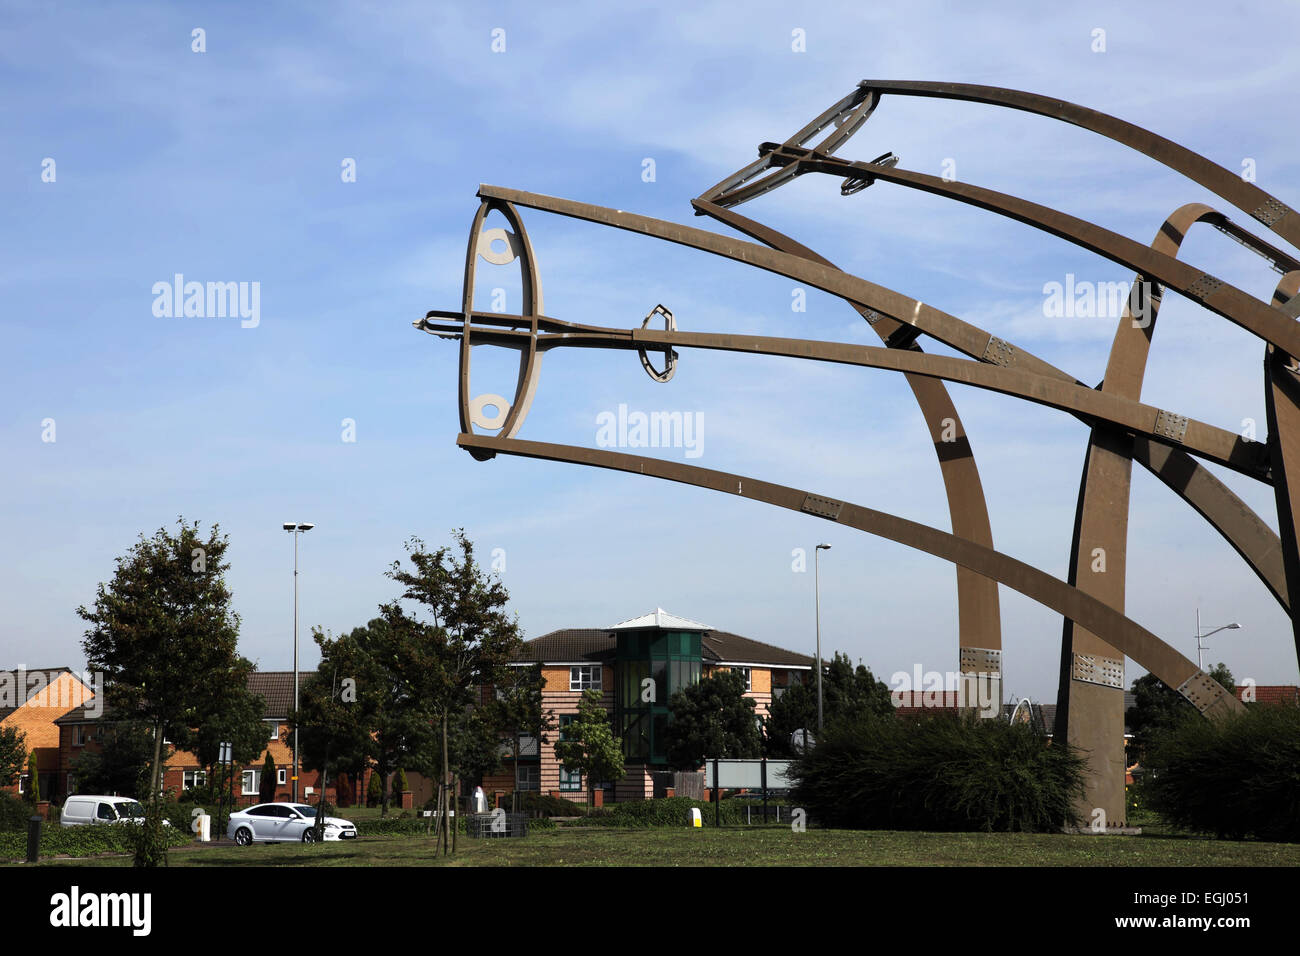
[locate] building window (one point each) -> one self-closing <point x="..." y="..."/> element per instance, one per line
<point x="193" y="778"/>
<point x="252" y="781"/>
<point x="79" y="735"/>
<point x="275" y="729"/>
<point x="72" y="783"/>
<point x="530" y="776"/>
<point x="570" y="781"/>
<point x="749" y="686"/>
<point x="585" y="677"/>
<point x="282" y="776"/>
<point x="565" y="720"/>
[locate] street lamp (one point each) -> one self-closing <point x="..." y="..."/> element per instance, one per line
<point x="817" y="586"/>
<point x="295" y="528"/>
<point x="1200" y="650"/>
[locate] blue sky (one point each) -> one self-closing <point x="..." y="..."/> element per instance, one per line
<point x="225" y="166"/>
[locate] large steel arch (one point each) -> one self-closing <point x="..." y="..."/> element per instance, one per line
<point x="1122" y="429"/>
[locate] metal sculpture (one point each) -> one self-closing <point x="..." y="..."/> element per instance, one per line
<point x="1097" y="636"/>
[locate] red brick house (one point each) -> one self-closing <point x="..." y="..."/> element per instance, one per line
<point x="78" y="732"/>
<point x="31" y="702"/>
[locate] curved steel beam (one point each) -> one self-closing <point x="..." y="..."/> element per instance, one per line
<point x="979" y="622"/>
<point x="1134" y="640"/>
<point x="1271" y="324"/>
<point x="1208" y="441"/>
<point x="1282" y="404"/>
<point x="1224" y="183"/>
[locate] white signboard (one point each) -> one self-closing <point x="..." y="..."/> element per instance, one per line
<point x="748" y="774"/>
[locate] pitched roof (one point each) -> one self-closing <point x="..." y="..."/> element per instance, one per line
<point x="569" y="644"/>
<point x="661" y="620"/>
<point x="275" y="688"/>
<point x="574" y="644"/>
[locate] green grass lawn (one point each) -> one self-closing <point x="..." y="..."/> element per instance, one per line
<point x="746" y="846"/>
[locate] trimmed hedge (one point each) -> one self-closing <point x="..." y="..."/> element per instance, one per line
<point x="408" y="826"/>
<point x="941" y="772"/>
<point x="83" y="841"/>
<point x="1235" y="777"/>
<point x="546" y="805"/>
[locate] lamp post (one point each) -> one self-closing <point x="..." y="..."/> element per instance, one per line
<point x="817" y="587"/>
<point x="295" y="528"/>
<point x="1200" y="649"/>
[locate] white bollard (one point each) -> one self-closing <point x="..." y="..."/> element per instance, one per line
<point x="696" y="819"/>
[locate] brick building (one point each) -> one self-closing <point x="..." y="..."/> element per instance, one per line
<point x="670" y="652"/>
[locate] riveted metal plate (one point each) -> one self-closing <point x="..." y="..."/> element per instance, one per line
<point x="981" y="660"/>
<point x="1270" y="212"/>
<point x="1169" y="425"/>
<point x="1202" y="690"/>
<point x="1204" y="286"/>
<point x="1095" y="669"/>
<point x="999" y="352"/>
<point x="823" y="507"/>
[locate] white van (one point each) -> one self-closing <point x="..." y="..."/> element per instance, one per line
<point x="80" y="810"/>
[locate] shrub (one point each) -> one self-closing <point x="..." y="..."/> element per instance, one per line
<point x="545" y="805"/>
<point x="666" y="812"/>
<point x="399" y="785"/>
<point x="149" y="840"/>
<point x="33" y="794"/>
<point x="14" y="814"/>
<point x="266" y="785"/>
<point x="375" y="790"/>
<point x="1235" y="777"/>
<point x="939" y="773"/>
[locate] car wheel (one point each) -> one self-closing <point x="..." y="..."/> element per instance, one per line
<point x="243" y="836"/>
<point x="309" y="835"/>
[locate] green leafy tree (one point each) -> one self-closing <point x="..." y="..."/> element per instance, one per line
<point x="13" y="755"/>
<point x="226" y="712"/>
<point x="519" y="713"/>
<point x="363" y="706"/>
<point x="588" y="746"/>
<point x="266" y="786"/>
<point x="457" y="638"/>
<point x="343" y="707"/>
<point x="121" y="764"/>
<point x="1158" y="709"/>
<point x="848" y="694"/>
<point x="712" y="718"/>
<point x="163" y="633"/>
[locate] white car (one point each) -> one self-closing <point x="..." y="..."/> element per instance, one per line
<point x="284" y="823"/>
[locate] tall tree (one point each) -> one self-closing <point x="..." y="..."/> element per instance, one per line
<point x="163" y="633"/>
<point x="362" y="707"/>
<point x="13" y="755"/>
<point x="1158" y="708"/>
<point x="458" y="637"/>
<point x="227" y="712"/>
<point x="588" y="745"/>
<point x="848" y="694"/>
<point x="712" y="718"/>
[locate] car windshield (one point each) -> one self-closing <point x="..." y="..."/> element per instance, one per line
<point x="306" y="811"/>
<point x="133" y="809"/>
